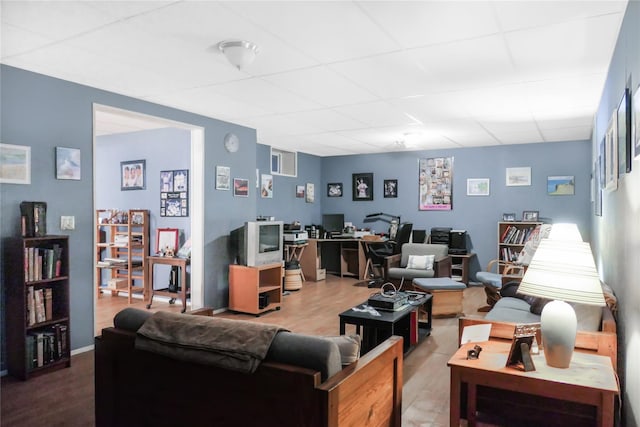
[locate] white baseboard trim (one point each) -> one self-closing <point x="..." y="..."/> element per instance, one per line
<point x="82" y="350"/>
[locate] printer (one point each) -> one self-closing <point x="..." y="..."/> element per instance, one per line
<point x="294" y="237"/>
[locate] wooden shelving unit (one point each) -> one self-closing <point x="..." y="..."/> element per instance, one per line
<point x="247" y="284"/>
<point x="37" y="334"/>
<point x="512" y="236"/>
<point x="122" y="246"/>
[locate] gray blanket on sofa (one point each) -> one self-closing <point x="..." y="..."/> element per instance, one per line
<point x="231" y="344"/>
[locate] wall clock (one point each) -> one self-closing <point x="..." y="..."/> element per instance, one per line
<point x="231" y="142"/>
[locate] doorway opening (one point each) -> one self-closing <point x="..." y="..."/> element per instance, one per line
<point x="109" y="120"/>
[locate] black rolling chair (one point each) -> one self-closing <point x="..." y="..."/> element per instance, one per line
<point x="378" y="251"/>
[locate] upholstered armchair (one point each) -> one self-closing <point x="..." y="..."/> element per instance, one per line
<point x="410" y="263"/>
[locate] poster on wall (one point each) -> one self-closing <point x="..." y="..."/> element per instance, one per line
<point x="174" y="193"/>
<point x="435" y="184"/>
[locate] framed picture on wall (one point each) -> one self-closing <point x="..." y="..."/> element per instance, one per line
<point x="67" y="163"/>
<point x="390" y="188"/>
<point x="300" y="191"/>
<point x="334" y="189"/>
<point x="132" y="175"/>
<point x="624" y="134"/>
<point x="310" y="195"/>
<point x="477" y="186"/>
<point x="611" y="154"/>
<point x="240" y="187"/>
<point x="635" y="120"/>
<point x="174" y="193"/>
<point x="15" y="164"/>
<point x="362" y="186"/>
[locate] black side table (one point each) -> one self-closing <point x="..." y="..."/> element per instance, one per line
<point x="376" y="329"/>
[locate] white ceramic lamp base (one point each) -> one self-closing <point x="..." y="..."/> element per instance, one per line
<point x="559" y="325"/>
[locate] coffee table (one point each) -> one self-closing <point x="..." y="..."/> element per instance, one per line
<point x="403" y="322"/>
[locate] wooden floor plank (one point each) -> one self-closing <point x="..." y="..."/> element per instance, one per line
<point x="66" y="397"/>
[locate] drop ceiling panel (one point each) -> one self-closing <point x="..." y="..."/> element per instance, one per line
<point x="328" y="31"/>
<point x="321" y="85"/>
<point x="573" y="48"/>
<point x="324" y="120"/>
<point x="567" y="134"/>
<point x="422" y="23"/>
<point x="17" y="40"/>
<point x="433" y="107"/>
<point x="391" y="75"/>
<point x="380" y="113"/>
<point x="529" y="14"/>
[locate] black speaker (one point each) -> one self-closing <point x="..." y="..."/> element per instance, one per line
<point x="440" y="235"/>
<point x="458" y="242"/>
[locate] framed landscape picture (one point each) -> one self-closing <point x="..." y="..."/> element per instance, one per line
<point x="15" y="164"/>
<point x="478" y="186"/>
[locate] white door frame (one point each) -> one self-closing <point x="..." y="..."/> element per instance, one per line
<point x="196" y="200"/>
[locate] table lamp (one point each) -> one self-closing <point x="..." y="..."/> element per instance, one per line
<point x="563" y="271"/>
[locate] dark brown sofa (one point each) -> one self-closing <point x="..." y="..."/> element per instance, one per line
<point x="139" y="388"/>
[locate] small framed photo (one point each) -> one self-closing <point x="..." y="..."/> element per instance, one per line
<point x="240" y="187"/>
<point x="509" y="216"/>
<point x="478" y="187"/>
<point x="334" y="189"/>
<point x="530" y="216"/>
<point x="132" y="175"/>
<point x="68" y="163"/>
<point x="300" y="191"/>
<point x="167" y="241"/>
<point x="310" y="195"/>
<point x="15" y="164"/>
<point x="223" y="178"/>
<point x="518" y="176"/>
<point x="362" y="186"/>
<point x="635" y="121"/>
<point x="390" y="188"/>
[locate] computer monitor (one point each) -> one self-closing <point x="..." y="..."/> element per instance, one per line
<point x="333" y="223"/>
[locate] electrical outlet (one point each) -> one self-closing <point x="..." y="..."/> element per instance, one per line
<point x="67" y="222"/>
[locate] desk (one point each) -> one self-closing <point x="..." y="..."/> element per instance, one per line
<point x="184" y="285"/>
<point x="582" y="394"/>
<point x="343" y="257"/>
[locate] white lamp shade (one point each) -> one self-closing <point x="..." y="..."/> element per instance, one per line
<point x="563" y="270"/>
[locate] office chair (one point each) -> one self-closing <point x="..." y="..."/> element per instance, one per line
<point x="377" y="252"/>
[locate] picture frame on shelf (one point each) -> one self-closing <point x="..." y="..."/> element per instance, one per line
<point x="390" y="187"/>
<point x="518" y="177"/>
<point x="15" y="164"/>
<point x="624" y="134"/>
<point x="530" y="216"/>
<point x="511" y="216"/>
<point x="167" y="241"/>
<point x="133" y="175"/>
<point x="68" y="163"/>
<point x="478" y="186"/>
<point x="362" y="186"/>
<point x="334" y="189"/>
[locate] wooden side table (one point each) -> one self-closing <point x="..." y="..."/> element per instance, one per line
<point x="184" y="285"/>
<point x="582" y="394"/>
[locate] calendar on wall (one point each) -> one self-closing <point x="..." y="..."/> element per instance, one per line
<point x="174" y="193"/>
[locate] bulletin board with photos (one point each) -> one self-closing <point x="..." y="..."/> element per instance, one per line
<point x="174" y="193"/>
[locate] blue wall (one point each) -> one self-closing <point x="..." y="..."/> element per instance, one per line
<point x="44" y="112"/>
<point x="617" y="231"/>
<point x="151" y="146"/>
<point x="476" y="214"/>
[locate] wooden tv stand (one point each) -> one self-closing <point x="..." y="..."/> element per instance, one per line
<point x="246" y="284"/>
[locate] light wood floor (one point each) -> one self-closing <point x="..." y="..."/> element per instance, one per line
<point x="66" y="397"/>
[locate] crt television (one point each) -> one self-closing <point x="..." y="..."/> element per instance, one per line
<point x="257" y="243"/>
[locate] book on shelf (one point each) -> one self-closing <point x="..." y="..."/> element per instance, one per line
<point x="48" y="303"/>
<point x="39" y="305"/>
<point x="31" y="320"/>
<point x="46" y="346"/>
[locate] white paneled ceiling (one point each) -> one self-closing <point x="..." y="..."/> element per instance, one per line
<point x="337" y="77"/>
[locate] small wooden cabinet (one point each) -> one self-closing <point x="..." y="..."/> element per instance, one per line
<point x="512" y="236"/>
<point x="37" y="305"/>
<point x="255" y="290"/>
<point x="122" y="245"/>
<point x="460" y="267"/>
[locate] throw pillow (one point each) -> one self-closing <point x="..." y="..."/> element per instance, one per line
<point x="421" y="262"/>
<point x="537" y="304"/>
<point x="349" y="346"/>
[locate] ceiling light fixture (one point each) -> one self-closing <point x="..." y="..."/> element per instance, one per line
<point x="240" y="53"/>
